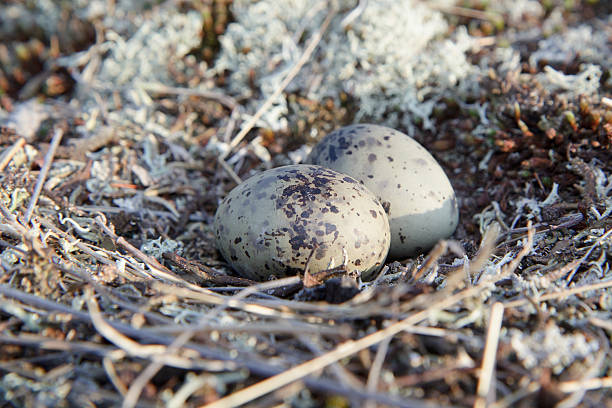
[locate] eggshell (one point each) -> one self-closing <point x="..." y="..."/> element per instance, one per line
<point x="277" y="222"/>
<point x="409" y="182"/>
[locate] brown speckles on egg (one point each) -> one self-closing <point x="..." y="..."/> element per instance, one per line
<point x="314" y="209"/>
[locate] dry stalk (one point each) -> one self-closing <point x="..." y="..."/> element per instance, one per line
<point x="585" y="385"/>
<point x="486" y="382"/>
<point x="10" y="153"/>
<point x="158" y="88"/>
<point x="376" y="368"/>
<point x="55" y="141"/>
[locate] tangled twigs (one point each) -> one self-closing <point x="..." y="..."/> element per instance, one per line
<point x="438" y="301"/>
<point x="155" y="267"/>
<point x="212" y="277"/>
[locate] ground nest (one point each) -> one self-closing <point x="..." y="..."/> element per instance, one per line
<point x="123" y="127"/>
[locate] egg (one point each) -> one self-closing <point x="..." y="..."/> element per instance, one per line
<point x="409" y="182"/>
<point x="279" y="221"/>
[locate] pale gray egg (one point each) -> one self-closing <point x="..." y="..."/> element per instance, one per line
<point x="276" y="222"/>
<point x="408" y="181"/>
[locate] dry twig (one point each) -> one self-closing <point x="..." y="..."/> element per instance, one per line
<point x="55" y="141"/>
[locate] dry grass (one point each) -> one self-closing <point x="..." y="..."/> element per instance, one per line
<point x="112" y="292"/>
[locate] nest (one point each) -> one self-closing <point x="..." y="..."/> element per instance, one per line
<point x="112" y="291"/>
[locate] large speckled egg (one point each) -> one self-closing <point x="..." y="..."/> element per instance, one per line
<point x="411" y="185"/>
<point x="274" y="222"/>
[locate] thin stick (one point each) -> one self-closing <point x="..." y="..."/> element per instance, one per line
<point x="465" y="12"/>
<point x="583" y="385"/>
<point x="374" y="374"/>
<point x="312" y="45"/>
<point x="354" y="14"/>
<point x="226" y="100"/>
<point x="111" y="373"/>
<point x="229" y="170"/>
<point x="432" y="258"/>
<point x="485" y="380"/>
<point x="57" y="138"/>
<point x="562" y="294"/>
<point x="8" y="156"/>
<point x="586" y="255"/>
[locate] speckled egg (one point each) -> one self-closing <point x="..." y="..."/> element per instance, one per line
<point x="411" y="185"/>
<point x="272" y="223"/>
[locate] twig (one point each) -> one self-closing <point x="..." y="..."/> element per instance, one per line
<point x="204" y="272"/>
<point x="314" y="41"/>
<point x="46" y="343"/>
<point x="511" y="266"/>
<point x="229" y="170"/>
<point x="432" y="258"/>
<point x="563" y="294"/>
<point x="465" y="12"/>
<point x="11" y="224"/>
<point x="131" y="397"/>
<point x="487" y="246"/>
<point x="265" y="327"/>
<point x="583" y="385"/>
<point x="455" y="277"/>
<point x="107" y="363"/>
<point x="587" y="253"/>
<point x="376" y="368"/>
<point x="338" y="370"/>
<point x="191" y="385"/>
<point x="225" y="100"/>
<point x="55" y="141"/>
<point x="484" y="391"/>
<point x="215" y="299"/>
<point x="574" y="264"/>
<point x="354" y="14"/>
<point x="8" y="155"/>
